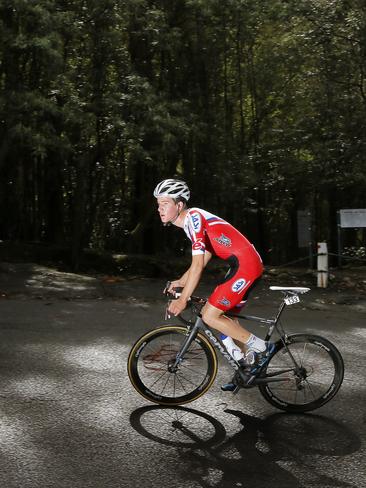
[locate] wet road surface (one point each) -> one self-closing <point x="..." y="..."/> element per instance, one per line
<point x="69" y="416"/>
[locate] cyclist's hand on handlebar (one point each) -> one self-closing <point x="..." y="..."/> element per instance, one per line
<point x="173" y="287"/>
<point x="176" y="307"/>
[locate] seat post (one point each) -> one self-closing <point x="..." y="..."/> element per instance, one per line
<point x="280" y="310"/>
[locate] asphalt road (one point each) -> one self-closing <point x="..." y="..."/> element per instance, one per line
<point x="70" y="417"/>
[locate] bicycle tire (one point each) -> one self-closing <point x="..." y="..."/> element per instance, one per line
<point x="319" y="379"/>
<point x="151" y="355"/>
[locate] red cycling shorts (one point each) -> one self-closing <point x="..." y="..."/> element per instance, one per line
<point x="236" y="286"/>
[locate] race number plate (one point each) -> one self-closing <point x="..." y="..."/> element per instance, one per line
<point x="291" y="300"/>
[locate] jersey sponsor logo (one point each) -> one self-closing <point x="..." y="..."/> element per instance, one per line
<point x="239" y="285"/>
<point x="196" y="221"/>
<point x="198" y="245"/>
<point x="223" y="240"/>
<point x="224" y="301"/>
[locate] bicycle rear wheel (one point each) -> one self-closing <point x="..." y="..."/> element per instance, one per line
<point x="151" y="357"/>
<point x="312" y="371"/>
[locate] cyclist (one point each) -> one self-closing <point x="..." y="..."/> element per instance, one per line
<point x="210" y="235"/>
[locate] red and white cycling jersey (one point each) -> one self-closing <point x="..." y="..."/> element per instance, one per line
<point x="208" y="232"/>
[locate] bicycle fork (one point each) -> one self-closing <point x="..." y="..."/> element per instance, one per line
<point x="187" y="342"/>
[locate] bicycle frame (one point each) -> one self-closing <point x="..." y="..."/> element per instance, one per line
<point x="272" y="323"/>
<point x="199" y="325"/>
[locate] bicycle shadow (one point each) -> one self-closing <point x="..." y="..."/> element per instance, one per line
<point x="280" y="451"/>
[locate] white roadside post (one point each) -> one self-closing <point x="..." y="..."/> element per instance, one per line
<point x="322" y="265"/>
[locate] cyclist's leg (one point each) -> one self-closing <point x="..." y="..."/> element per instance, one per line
<point x="226" y="297"/>
<point x="236" y="310"/>
<point x="216" y="318"/>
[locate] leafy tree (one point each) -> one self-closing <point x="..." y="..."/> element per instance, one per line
<point x="259" y="105"/>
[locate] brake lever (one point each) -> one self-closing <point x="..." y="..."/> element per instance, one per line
<point x="174" y="294"/>
<point x="167" y="286"/>
<point x="167" y="314"/>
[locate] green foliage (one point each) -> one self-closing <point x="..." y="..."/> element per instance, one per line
<point x="260" y="105"/>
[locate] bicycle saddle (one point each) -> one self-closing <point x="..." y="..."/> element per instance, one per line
<point x="294" y="289"/>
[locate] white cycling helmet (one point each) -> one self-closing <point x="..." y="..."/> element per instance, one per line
<point x="172" y="188"/>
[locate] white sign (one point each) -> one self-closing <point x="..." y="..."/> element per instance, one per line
<point x="353" y="217"/>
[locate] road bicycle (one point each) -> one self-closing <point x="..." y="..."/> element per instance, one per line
<point x="176" y="364"/>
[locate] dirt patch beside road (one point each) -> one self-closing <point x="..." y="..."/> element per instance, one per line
<point x="347" y="287"/>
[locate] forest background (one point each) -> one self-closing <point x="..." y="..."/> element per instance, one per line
<point x="260" y="105"/>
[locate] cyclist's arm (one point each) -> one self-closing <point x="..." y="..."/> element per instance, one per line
<point x="208" y="256"/>
<point x="193" y="278"/>
<point x="194" y="275"/>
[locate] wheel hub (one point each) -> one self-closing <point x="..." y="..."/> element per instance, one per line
<point x="301" y="376"/>
<point x="171" y="367"/>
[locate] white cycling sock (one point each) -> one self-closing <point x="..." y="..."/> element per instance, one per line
<point x="234" y="350"/>
<point x="256" y="343"/>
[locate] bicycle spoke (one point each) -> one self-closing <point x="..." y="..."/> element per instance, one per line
<point x="180" y="381"/>
<point x="157" y="380"/>
<point x="194" y="371"/>
<point x="181" y="378"/>
<point x="167" y="381"/>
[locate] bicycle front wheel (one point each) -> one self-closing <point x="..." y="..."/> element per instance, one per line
<point x="151" y="358"/>
<point x="310" y="372"/>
